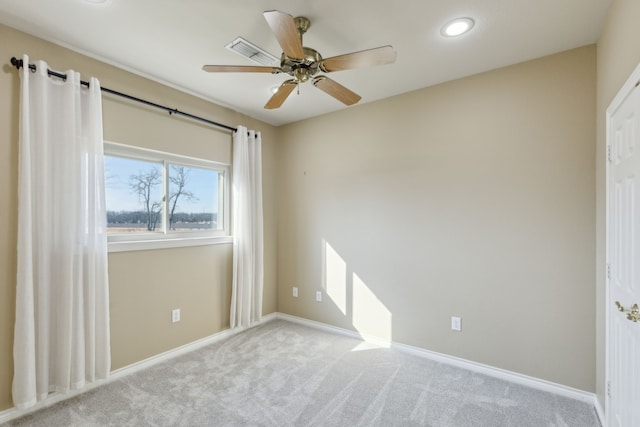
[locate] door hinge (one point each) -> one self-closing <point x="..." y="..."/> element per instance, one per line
<point x="609" y="388"/>
<point x="609" y="153"/>
<point x="609" y="271"/>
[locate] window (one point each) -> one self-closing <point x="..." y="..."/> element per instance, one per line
<point x="156" y="199"/>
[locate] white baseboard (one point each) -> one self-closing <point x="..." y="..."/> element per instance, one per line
<point x="54" y="398"/>
<point x="334" y="329"/>
<point x="600" y="412"/>
<point x="510" y="376"/>
<point x="170" y="354"/>
<point x="514" y="377"/>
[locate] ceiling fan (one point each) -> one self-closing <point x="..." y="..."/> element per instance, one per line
<point x="303" y="63"/>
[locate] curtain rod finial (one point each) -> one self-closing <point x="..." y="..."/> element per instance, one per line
<point x="16" y="62"/>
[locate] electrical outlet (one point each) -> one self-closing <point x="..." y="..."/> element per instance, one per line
<point x="318" y="296"/>
<point x="175" y="315"/>
<point x="295" y="292"/>
<point x="456" y="323"/>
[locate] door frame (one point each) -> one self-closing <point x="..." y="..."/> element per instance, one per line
<point x="632" y="81"/>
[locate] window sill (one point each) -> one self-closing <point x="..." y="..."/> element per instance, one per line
<point x="146" y="245"/>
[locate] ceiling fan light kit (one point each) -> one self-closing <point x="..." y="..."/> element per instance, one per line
<point x="304" y="63"/>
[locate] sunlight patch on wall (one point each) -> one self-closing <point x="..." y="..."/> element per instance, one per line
<point x="334" y="276"/>
<point x="370" y="316"/>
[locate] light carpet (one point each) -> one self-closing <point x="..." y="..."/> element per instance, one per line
<point x="285" y="374"/>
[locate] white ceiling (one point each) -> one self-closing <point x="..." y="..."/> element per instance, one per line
<point x="170" y="40"/>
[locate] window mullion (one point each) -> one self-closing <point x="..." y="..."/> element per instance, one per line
<point x="165" y="199"/>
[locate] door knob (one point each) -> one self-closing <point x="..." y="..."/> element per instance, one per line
<point x="633" y="313"/>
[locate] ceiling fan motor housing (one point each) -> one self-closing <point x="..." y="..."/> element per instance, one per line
<point x="302" y="69"/>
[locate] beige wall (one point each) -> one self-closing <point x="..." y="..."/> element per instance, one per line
<point x="618" y="56"/>
<point x="145" y="285"/>
<point x="474" y="198"/>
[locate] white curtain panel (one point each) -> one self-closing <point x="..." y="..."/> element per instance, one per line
<point x="62" y="298"/>
<point x="246" y="296"/>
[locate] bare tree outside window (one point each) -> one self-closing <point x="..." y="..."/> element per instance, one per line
<point x="179" y="178"/>
<point x="142" y="185"/>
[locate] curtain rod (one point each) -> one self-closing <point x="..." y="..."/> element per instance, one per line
<point x="18" y="63"/>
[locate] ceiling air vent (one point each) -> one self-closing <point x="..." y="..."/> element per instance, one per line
<point x="251" y="51"/>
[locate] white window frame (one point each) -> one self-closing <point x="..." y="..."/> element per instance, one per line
<point x="120" y="242"/>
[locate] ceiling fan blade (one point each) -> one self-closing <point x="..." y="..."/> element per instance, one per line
<point x="336" y="90"/>
<point x="283" y="92"/>
<point x="240" y="69"/>
<point x="284" y="27"/>
<point x="364" y="58"/>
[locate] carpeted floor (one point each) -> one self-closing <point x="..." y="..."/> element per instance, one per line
<point x="285" y="374"/>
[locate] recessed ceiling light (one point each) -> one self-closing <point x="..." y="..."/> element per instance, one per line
<point x="457" y="27"/>
<point x="96" y="1"/>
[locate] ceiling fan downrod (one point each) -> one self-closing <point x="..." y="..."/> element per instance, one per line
<point x="302" y="25"/>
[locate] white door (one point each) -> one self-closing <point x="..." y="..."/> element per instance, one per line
<point x="623" y="257"/>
